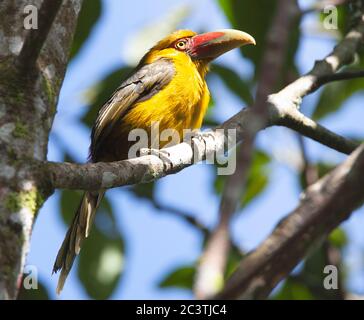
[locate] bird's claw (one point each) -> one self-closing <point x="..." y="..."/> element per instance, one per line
<point x="201" y="136"/>
<point x="162" y="154"/>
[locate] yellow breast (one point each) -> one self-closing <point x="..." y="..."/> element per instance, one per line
<point x="182" y="104"/>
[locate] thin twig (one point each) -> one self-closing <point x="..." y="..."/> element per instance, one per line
<point x="345" y="75"/>
<point x="309" y="171"/>
<point x="306" y="126"/>
<point x="189" y="218"/>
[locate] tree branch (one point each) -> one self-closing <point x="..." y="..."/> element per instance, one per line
<point x="282" y="110"/>
<point x="96" y="176"/>
<point x="324" y="205"/>
<point x="308" y="171"/>
<point x="347" y="75"/>
<point x="35" y="38"/>
<point x="187" y="217"/>
<point x="298" y="122"/>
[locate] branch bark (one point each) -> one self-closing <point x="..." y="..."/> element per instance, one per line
<point x="323" y="206"/>
<point x="345" y="75"/>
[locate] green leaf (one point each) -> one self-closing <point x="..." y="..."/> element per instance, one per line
<point x="182" y="277"/>
<point x="243" y="15"/>
<point x="255" y="17"/>
<point x="293" y="290"/>
<point x="342" y="19"/>
<point x="144" y="190"/>
<point x="41" y="293"/>
<point x="257" y="179"/>
<point x="210" y="122"/>
<point x="334" y="95"/>
<point x="322" y="169"/>
<point x="311" y="274"/>
<point x="88" y="17"/>
<point x="233" y="262"/>
<point x="314" y="266"/>
<point x="338" y="238"/>
<point x="70" y="200"/>
<point x="233" y="82"/>
<point x="209" y="119"/>
<point x="101" y="93"/>
<point x="226" y="6"/>
<point x="101" y="264"/>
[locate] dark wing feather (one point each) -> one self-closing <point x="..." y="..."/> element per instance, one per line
<point x="142" y="85"/>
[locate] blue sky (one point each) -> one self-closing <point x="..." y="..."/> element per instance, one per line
<point x="156" y="242"/>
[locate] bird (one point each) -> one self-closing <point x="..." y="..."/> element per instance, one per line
<point x="168" y="86"/>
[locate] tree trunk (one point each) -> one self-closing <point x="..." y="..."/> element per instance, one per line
<point x="32" y="68"/>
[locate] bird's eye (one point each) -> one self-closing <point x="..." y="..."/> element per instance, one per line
<point x="181" y="45"/>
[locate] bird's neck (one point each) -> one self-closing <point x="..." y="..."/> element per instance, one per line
<point x="202" y="67"/>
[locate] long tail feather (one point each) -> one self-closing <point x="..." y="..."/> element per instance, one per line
<point x="77" y="232"/>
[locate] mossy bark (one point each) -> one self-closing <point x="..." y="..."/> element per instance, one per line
<point x="27" y="107"/>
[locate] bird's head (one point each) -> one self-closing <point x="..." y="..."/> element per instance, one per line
<point x="200" y="48"/>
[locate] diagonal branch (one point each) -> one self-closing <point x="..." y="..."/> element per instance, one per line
<point x="298" y="122"/>
<point x="346" y="75"/>
<point x="324" y="205"/>
<point x="187" y="217"/>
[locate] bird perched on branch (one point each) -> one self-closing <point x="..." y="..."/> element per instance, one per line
<point x="168" y="86"/>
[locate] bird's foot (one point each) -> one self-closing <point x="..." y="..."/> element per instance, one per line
<point x="162" y="154"/>
<point x="202" y="143"/>
<point x="199" y="135"/>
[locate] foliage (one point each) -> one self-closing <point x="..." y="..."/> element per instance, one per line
<point x="240" y="16"/>
<point x="183" y="277"/>
<point x="334" y="95"/>
<point x="89" y="16"/>
<point x="41" y="293"/>
<point x="233" y="82"/>
<point x="257" y="179"/>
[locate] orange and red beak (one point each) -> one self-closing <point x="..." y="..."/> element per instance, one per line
<point x="211" y="45"/>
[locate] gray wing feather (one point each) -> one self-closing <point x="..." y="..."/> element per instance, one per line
<point x="142" y="85"/>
